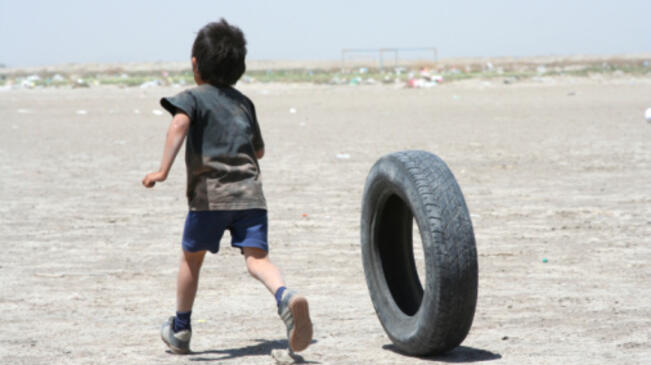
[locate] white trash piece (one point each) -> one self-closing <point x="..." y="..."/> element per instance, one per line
<point x="647" y="115"/>
<point x="153" y="83"/>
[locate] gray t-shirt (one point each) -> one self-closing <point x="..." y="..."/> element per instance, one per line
<point x="223" y="171"/>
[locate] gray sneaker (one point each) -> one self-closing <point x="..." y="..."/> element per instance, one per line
<point x="295" y="313"/>
<point x="178" y="342"/>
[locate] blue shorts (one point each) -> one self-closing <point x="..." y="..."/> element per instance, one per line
<point x="204" y="229"/>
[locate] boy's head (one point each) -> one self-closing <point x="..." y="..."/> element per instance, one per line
<point x="218" y="53"/>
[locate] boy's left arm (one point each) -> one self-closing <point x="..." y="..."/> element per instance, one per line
<point x="176" y="133"/>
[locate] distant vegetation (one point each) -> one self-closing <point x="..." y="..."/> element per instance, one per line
<point x="442" y="72"/>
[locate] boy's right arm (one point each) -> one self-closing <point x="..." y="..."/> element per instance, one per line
<point x="175" y="135"/>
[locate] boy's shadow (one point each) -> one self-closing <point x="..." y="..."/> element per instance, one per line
<point x="261" y="348"/>
<point x="458" y="354"/>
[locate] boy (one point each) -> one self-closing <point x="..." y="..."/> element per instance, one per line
<point x="224" y="185"/>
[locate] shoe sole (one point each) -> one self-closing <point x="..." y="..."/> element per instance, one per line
<point x="175" y="349"/>
<point x="301" y="335"/>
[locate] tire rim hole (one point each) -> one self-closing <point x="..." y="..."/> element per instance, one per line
<point x="394" y="231"/>
<point x="419" y="253"/>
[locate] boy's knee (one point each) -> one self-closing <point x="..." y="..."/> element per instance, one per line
<point x="254" y="257"/>
<point x="254" y="253"/>
<point x="193" y="259"/>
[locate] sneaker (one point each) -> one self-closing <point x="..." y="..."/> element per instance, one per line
<point x="294" y="312"/>
<point x="178" y="342"/>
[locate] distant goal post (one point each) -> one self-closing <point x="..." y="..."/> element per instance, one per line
<point x="386" y="57"/>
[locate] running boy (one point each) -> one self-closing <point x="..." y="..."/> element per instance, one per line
<point x="224" y="184"/>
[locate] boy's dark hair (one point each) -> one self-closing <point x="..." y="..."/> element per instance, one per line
<point x="220" y="49"/>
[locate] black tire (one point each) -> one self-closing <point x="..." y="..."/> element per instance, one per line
<point x="409" y="186"/>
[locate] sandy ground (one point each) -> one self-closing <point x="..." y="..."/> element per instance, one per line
<point x="556" y="169"/>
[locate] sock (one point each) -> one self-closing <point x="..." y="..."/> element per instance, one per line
<point x="182" y="321"/>
<point x="279" y="294"/>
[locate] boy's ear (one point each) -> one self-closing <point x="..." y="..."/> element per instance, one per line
<point x="194" y="64"/>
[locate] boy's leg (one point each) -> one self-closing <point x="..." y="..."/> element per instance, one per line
<point x="176" y="331"/>
<point x="188" y="279"/>
<point x="203" y="231"/>
<point x="292" y="307"/>
<point x="261" y="268"/>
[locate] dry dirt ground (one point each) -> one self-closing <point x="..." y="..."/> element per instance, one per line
<point x="556" y="169"/>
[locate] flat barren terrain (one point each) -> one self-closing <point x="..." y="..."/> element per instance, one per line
<point x="556" y="173"/>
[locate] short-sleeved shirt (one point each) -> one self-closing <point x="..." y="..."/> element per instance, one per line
<point x="222" y="169"/>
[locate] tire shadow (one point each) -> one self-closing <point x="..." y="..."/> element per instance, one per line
<point x="261" y="348"/>
<point x="458" y="354"/>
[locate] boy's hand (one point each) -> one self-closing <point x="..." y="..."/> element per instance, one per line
<point x="150" y="180"/>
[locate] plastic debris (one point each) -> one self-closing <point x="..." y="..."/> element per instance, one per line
<point x="343" y="156"/>
<point x="157" y="112"/>
<point x="82" y="112"/>
<point x="75" y="296"/>
<point x="355" y="81"/>
<point x="337" y="81"/>
<point x="304" y="215"/>
<point x="647" y="115"/>
<point x="423" y="83"/>
<point x="292" y="110"/>
<point x="80" y="83"/>
<point x="510" y="80"/>
<point x="24" y="111"/>
<point x="27" y="84"/>
<point x="544" y="260"/>
<point x="153" y="83"/>
<point x="136" y="111"/>
<point x="426" y="80"/>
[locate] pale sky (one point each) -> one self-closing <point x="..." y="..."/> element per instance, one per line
<point x="35" y="33"/>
